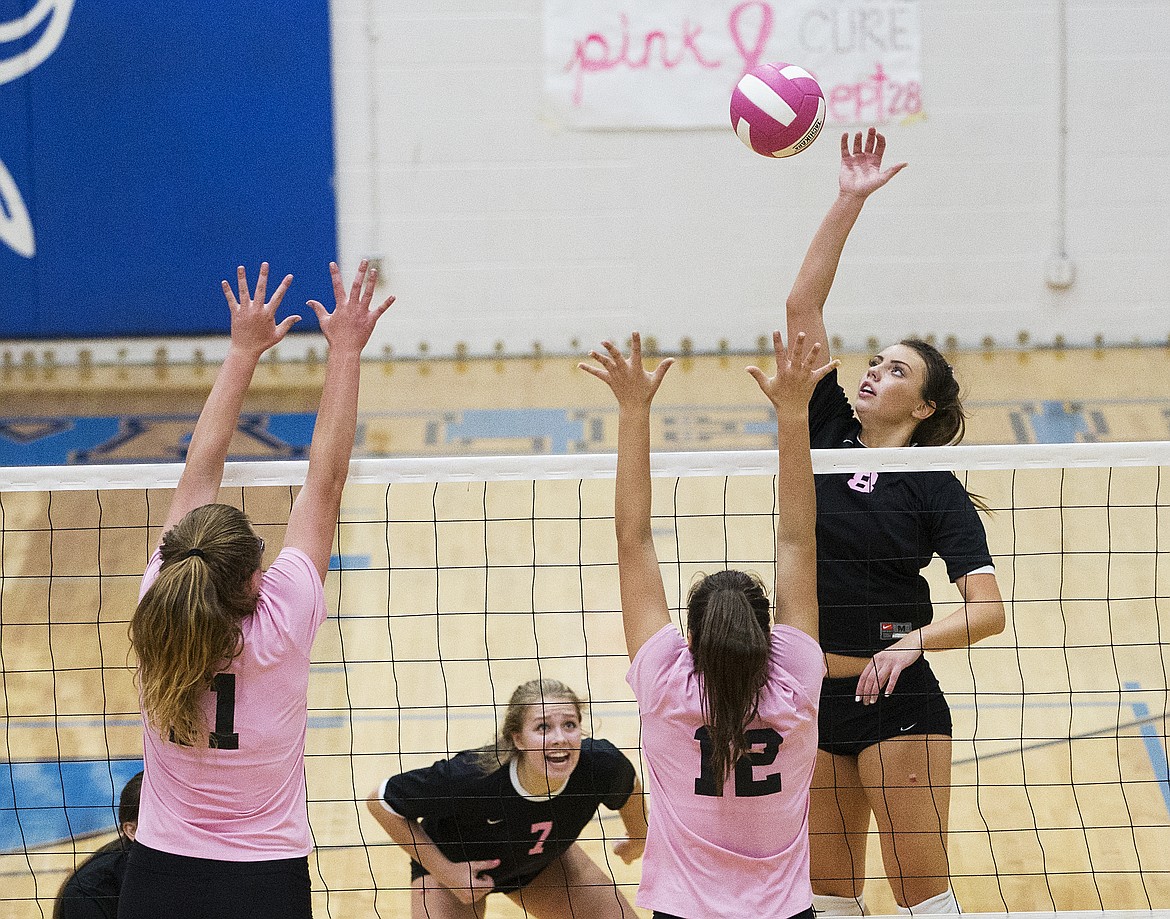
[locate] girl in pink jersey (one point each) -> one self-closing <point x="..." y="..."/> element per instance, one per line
<point x="729" y="715"/>
<point x="223" y="645"/>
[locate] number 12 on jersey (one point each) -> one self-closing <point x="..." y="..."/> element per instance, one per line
<point x="746" y="784"/>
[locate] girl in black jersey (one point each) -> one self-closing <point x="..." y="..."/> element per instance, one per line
<point x="885" y="728"/>
<point x="505" y="818"/>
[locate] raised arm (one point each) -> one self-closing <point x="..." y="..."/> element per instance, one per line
<point x="643" y="597"/>
<point x="861" y="175"/>
<point x="313" y="518"/>
<point x="789" y="390"/>
<point x="253" y="331"/>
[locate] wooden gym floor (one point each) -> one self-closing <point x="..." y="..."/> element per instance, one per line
<point x="1061" y="795"/>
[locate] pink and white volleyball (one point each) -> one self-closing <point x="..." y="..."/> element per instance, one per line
<point x="778" y="109"/>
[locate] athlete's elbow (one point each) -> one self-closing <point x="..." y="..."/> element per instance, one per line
<point x="999" y="620"/>
<point x="326" y="484"/>
<point x="633" y="534"/>
<point x="991" y="621"/>
<point x="374" y="803"/>
<point x="799" y="308"/>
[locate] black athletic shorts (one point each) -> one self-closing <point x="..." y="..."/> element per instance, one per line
<point x="803" y="914"/>
<point x="917" y="706"/>
<point x="158" y="884"/>
<point x="417" y="871"/>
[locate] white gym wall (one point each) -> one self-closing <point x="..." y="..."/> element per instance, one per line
<point x="499" y="229"/>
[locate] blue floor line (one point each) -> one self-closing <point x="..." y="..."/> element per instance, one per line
<point x="1154" y="746"/>
<point x="348" y="562"/>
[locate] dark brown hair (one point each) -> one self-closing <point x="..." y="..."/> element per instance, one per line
<point x="728" y="616"/>
<point x="128" y="801"/>
<point x="186" y="628"/>
<point x="948" y="422"/>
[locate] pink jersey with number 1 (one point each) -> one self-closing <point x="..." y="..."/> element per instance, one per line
<point x="745" y="852"/>
<point x="243" y="800"/>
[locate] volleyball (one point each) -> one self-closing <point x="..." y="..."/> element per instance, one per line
<point x="777" y="109"/>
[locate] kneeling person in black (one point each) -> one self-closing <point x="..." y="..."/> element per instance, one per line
<point x="505" y="818"/>
<point x="92" y="891"/>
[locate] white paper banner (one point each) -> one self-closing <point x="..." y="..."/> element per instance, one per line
<point x="674" y="63"/>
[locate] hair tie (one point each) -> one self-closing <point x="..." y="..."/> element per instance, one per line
<point x="198" y="553"/>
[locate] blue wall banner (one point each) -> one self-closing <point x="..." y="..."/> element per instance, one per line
<point x="145" y="151"/>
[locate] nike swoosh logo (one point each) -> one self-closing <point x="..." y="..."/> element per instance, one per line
<point x="501" y="820"/>
<point x="908" y="727"/>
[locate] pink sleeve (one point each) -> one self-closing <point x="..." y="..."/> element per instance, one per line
<point x="651" y="667"/>
<point x="292" y="597"/>
<point x="799" y="656"/>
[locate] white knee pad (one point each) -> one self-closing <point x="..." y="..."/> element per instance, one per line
<point x="943" y="903"/>
<point x="824" y="905"/>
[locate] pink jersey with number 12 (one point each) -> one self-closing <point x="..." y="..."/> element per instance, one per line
<point x="743" y="852"/>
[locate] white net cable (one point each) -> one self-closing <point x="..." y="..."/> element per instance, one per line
<point x="457" y="579"/>
<point x="600" y="466"/>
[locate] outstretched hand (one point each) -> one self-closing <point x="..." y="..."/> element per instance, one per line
<point x="631" y="384"/>
<point x="254" y="325"/>
<point x="352" y="321"/>
<point x="861" y="169"/>
<point x="797" y="373"/>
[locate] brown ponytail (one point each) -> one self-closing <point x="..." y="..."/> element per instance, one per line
<point x="728" y="619"/>
<point x="186" y="628"/>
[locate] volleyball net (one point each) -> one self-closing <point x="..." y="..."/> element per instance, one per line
<point x="455" y="580"/>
